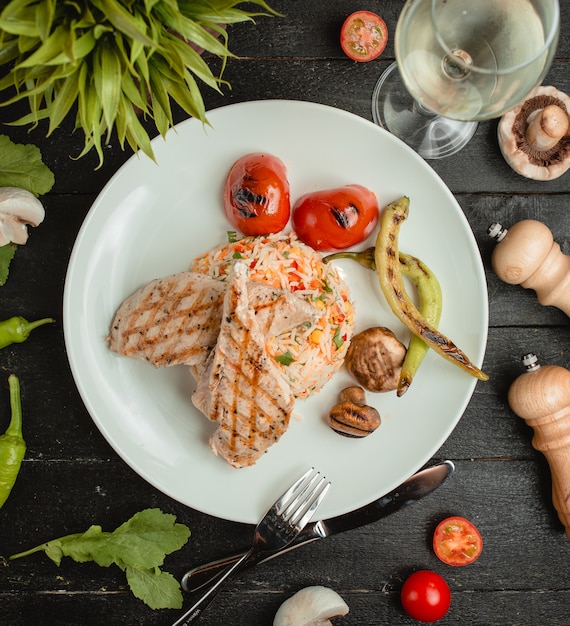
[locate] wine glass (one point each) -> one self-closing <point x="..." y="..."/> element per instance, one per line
<point x="461" y="61"/>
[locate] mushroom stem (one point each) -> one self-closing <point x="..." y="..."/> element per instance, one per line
<point x="546" y="127"/>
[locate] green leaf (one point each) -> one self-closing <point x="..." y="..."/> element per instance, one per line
<point x="7" y="253"/>
<point x="123" y="20"/>
<point x="143" y="541"/>
<point x="21" y="165"/>
<point x="50" y="49"/>
<point x="45" y="12"/>
<point x="285" y="359"/>
<point x="65" y="99"/>
<point x="138" y="547"/>
<point x="157" y="589"/>
<point x="111" y="84"/>
<point x="79" y="547"/>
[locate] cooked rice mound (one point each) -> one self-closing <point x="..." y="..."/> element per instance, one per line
<point x="310" y="354"/>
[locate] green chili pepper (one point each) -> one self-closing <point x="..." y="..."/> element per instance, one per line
<point x="392" y="286"/>
<point x="17" y="329"/>
<point x="430" y="301"/>
<point x="12" y="444"/>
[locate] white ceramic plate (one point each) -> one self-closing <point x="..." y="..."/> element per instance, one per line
<point x="152" y="219"/>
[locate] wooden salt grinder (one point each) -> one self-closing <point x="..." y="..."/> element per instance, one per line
<point x="527" y="255"/>
<point x="541" y="396"/>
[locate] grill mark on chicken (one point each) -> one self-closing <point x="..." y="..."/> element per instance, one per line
<point x="219" y="329"/>
<point x="176" y="320"/>
<point x="241" y="389"/>
<point x="170" y="320"/>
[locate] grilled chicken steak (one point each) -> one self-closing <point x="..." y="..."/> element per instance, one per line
<point x="241" y="389"/>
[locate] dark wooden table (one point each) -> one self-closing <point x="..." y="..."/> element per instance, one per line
<point x="71" y="478"/>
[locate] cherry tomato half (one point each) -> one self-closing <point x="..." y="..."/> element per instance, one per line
<point x="426" y="596"/>
<point x="336" y="218"/>
<point x="456" y="541"/>
<point x="363" y="36"/>
<point x="256" y="195"/>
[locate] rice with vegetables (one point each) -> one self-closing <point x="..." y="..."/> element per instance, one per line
<point x="310" y="354"/>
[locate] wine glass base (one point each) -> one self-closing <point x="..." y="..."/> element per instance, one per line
<point x="431" y="135"/>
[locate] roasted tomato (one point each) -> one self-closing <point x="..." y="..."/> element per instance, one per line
<point x="426" y="596"/>
<point x="456" y="541"/>
<point x="256" y="195"/>
<point x="363" y="36"/>
<point x="335" y="219"/>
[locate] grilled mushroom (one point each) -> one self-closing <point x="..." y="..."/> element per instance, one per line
<point x="352" y="417"/>
<point x="375" y="358"/>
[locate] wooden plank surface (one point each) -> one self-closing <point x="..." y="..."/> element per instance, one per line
<point x="72" y="478"/>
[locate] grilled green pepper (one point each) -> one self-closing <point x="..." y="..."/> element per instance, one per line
<point x="17" y="329"/>
<point x="429" y="293"/>
<point x="12" y="444"/>
<point x="386" y="257"/>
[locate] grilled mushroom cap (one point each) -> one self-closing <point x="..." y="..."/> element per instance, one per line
<point x="352" y="417"/>
<point x="375" y="358"/>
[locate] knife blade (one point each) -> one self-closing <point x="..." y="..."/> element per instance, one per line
<point x="415" y="488"/>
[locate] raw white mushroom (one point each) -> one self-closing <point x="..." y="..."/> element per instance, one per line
<point x="311" y="606"/>
<point x="18" y="209"/>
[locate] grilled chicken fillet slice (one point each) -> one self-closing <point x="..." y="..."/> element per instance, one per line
<point x="170" y="320"/>
<point x="241" y="388"/>
<point x="176" y="320"/>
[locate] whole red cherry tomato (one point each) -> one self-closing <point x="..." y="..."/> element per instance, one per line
<point x="456" y="541"/>
<point x="256" y="195"/>
<point x="336" y="218"/>
<point x="363" y="36"/>
<point x="426" y="596"/>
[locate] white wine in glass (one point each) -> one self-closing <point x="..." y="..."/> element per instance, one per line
<point x="461" y="61"/>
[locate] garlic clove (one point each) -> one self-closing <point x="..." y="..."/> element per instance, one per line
<point x="311" y="606"/>
<point x="18" y="208"/>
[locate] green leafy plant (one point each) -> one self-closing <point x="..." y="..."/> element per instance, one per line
<point x="109" y="61"/>
<point x="138" y="547"/>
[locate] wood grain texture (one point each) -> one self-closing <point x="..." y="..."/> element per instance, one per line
<point x="72" y="478"/>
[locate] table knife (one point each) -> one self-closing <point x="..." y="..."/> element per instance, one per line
<point x="413" y="489"/>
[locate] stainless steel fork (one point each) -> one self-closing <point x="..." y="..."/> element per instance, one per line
<point x="278" y="528"/>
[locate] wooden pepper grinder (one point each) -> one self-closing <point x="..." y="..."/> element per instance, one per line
<point x="541" y="396"/>
<point x="527" y="255"/>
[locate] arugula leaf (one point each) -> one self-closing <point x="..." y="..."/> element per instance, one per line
<point x="137" y="547"/>
<point x="21" y="165"/>
<point x="143" y="541"/>
<point x="158" y="589"/>
<point x="7" y="253"/>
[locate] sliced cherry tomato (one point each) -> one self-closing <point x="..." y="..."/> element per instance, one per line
<point x="426" y="596"/>
<point x="335" y="219"/>
<point x="256" y="195"/>
<point x="456" y="541"/>
<point x="363" y="36"/>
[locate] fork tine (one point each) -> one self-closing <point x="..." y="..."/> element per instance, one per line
<point x="302" y="495"/>
<point x="311" y="504"/>
<point x="286" y="497"/>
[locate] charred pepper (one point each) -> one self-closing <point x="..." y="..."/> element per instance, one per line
<point x="12" y="444"/>
<point x="391" y="284"/>
<point x="18" y="329"/>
